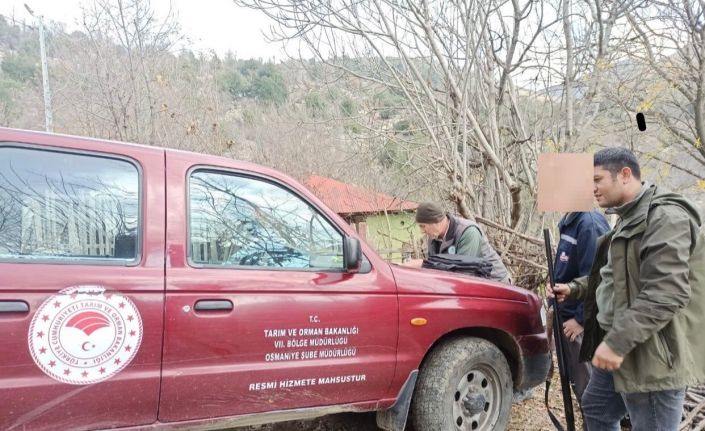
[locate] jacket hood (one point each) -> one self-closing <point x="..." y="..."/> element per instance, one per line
<point x="663" y="197"/>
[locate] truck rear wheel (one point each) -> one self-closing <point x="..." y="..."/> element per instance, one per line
<point x="465" y="384"/>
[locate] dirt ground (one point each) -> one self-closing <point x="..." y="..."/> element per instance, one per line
<point x="529" y="415"/>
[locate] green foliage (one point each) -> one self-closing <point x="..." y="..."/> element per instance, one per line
<point x="314" y="104"/>
<point x="255" y="80"/>
<point x="387" y="104"/>
<point x="249" y="68"/>
<point x="403" y="127"/>
<point x="232" y="82"/>
<point x="19" y="67"/>
<point x="389" y="154"/>
<point x="348" y="107"/>
<point x="353" y="128"/>
<point x="8" y="100"/>
<point x="248" y="117"/>
<point x="188" y="63"/>
<point x="269" y="85"/>
<point x="15" y="38"/>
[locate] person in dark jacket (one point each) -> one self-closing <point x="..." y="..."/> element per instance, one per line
<point x="644" y="302"/>
<point x="574" y="255"/>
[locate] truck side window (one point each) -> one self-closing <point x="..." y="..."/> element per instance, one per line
<point x="69" y="207"/>
<point x="247" y="222"/>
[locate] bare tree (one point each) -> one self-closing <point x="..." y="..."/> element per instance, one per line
<point x="452" y="64"/>
<point x="671" y="36"/>
<point x="578" y="64"/>
<point x="115" y="68"/>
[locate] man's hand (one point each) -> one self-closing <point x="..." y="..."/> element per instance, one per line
<point x="414" y="263"/>
<point x="560" y="291"/>
<point x="605" y="358"/>
<point x="571" y="329"/>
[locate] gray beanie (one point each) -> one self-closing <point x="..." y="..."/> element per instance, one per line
<point x="429" y="212"/>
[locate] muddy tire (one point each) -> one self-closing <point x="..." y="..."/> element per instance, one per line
<point x="465" y="384"/>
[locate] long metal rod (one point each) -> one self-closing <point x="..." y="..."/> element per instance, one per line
<point x="563" y="369"/>
<point x="48" y="118"/>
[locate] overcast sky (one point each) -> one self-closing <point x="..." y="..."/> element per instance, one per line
<point x="209" y="24"/>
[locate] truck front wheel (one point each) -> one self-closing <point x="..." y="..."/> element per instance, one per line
<point x="465" y="384"/>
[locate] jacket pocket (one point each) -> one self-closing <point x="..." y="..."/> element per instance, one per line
<point x="664" y="350"/>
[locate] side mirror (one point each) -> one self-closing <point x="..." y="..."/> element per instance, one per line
<point x="352" y="254"/>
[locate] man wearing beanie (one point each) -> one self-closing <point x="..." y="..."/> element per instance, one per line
<point x="455" y="235"/>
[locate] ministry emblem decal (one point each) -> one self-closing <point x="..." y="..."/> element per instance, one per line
<point x="85" y="335"/>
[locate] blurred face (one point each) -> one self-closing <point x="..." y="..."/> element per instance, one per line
<point x="608" y="189"/>
<point x="434" y="230"/>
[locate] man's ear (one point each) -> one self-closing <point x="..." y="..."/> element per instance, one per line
<point x="626" y="174"/>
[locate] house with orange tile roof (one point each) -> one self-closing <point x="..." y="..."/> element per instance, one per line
<point x="385" y="222"/>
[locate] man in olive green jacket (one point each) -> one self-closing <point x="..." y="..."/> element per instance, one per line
<point x="644" y="302"/>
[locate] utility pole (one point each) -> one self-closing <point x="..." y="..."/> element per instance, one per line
<point x="48" y="119"/>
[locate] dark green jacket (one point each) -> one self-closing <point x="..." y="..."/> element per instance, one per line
<point x="658" y="261"/>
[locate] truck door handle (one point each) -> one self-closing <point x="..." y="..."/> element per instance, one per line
<point x="214" y="305"/>
<point x="14" y="307"/>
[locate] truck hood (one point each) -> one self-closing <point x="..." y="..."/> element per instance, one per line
<point x="422" y="281"/>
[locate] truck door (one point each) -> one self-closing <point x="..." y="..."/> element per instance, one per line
<point x="260" y="315"/>
<point x="81" y="282"/>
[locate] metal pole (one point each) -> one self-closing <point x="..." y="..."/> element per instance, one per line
<point x="48" y="119"/>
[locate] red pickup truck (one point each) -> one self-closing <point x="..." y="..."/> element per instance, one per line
<point x="147" y="288"/>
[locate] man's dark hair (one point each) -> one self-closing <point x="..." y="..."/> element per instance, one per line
<point x="614" y="159"/>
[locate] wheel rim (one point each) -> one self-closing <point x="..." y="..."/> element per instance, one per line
<point x="477" y="399"/>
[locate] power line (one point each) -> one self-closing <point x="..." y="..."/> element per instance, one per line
<point x="14" y="21"/>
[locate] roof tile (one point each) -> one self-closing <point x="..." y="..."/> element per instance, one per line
<point x="349" y="199"/>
